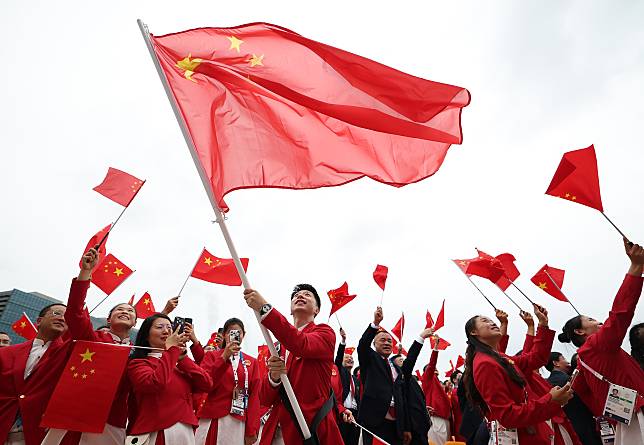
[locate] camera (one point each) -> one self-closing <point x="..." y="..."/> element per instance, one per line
<point x="234" y="336"/>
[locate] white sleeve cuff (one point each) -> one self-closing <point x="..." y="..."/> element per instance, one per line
<point x="420" y="340"/>
<point x="273" y="384"/>
<point x="266" y="314"/>
<point x="342" y="343"/>
<point x="375" y="326"/>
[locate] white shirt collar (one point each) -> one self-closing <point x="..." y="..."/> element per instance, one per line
<point x="155" y="354"/>
<point x="117" y="339"/>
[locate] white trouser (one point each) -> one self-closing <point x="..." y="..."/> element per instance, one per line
<point x="632" y="434"/>
<point x="230" y="431"/>
<point x="438" y="434"/>
<point x="111" y="435"/>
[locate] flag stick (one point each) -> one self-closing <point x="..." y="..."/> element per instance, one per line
<point x="106" y="296"/>
<point x="510" y="298"/>
<point x="338" y="320"/>
<point x="616" y="228"/>
<point x="559" y="289"/>
<point x="117" y="219"/>
<point x="222" y="223"/>
<point x="190" y="274"/>
<point x="382" y="296"/>
<point x="474" y="284"/>
<point x="527" y="298"/>
<point x="374" y="435"/>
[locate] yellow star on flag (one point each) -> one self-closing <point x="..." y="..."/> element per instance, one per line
<point x="87" y="355"/>
<point x="574" y="198"/>
<point x="91" y="371"/>
<point x="567" y="195"/>
<point x="146" y="301"/>
<point x="543" y="286"/>
<point x="189" y="65"/>
<point x="23" y="324"/>
<point x="75" y="374"/>
<point x="256" y="60"/>
<point x="84" y="376"/>
<point x="208" y="261"/>
<point x="118" y="272"/>
<point x="235" y="43"/>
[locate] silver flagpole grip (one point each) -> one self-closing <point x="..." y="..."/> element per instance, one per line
<point x="222" y="224"/>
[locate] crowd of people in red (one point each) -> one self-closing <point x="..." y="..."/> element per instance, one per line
<point x="222" y="395"/>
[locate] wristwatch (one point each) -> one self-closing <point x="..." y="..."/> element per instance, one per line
<point x="264" y="309"/>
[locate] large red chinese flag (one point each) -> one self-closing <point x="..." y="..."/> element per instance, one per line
<point x="85" y="391"/>
<point x="399" y="329"/>
<point x="24" y="327"/>
<point x="577" y="179"/>
<point x="218" y="270"/>
<point x="380" y="275"/>
<point x="119" y="186"/>
<point x="110" y="273"/>
<point x="440" y="320"/>
<point x="266" y="107"/>
<point x="339" y="297"/>
<point x="550" y="284"/>
<point x="93" y="241"/>
<point x="145" y="307"/>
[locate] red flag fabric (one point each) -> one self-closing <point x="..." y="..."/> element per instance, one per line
<point x="263" y="354"/>
<point x="429" y="321"/>
<point x="110" y="273"/>
<point x="449" y="373"/>
<point x="376" y="441"/>
<point x="131" y="300"/>
<point x="339" y="297"/>
<point x="24" y="327"/>
<point x="266" y="107"/>
<point x="418" y="375"/>
<point x="442" y="344"/>
<point x="511" y="272"/>
<point x="119" y="186"/>
<point x="349" y="350"/>
<point x="213" y="340"/>
<point x="85" y="391"/>
<point x="398" y="330"/>
<point x="440" y="320"/>
<point x="577" y="179"/>
<point x="462" y="264"/>
<point x="485" y="266"/>
<point x="545" y="282"/>
<point x="93" y="241"/>
<point x="145" y="307"/>
<point x="218" y="270"/>
<point x="380" y="275"/>
<point x="460" y="361"/>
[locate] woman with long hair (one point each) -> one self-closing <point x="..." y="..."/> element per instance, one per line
<point x="602" y="361"/>
<point x="231" y="413"/>
<point x="163" y="381"/>
<point x="497" y="384"/>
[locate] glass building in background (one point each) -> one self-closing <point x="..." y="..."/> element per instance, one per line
<point x="14" y="302"/>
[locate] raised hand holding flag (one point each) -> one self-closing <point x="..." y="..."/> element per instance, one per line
<point x="96" y="240"/>
<point x="380" y="277"/>
<point x="110" y="274"/>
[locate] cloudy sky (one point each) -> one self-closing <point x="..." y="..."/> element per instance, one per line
<point x="81" y="94"/>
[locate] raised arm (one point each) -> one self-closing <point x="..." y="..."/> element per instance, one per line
<point x="77" y="318"/>
<point x="339" y="357"/>
<point x="539" y="354"/>
<point x="502" y="316"/>
<point x="414" y="351"/>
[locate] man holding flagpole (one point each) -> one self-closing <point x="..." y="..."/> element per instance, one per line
<point x="306" y="356"/>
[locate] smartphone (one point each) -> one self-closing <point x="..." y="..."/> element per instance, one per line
<point x="220" y="331"/>
<point x="234" y="336"/>
<point x="189" y="321"/>
<point x="178" y="323"/>
<point x="575" y="373"/>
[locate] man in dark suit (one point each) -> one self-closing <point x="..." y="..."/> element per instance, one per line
<point x="580" y="416"/>
<point x="383" y="405"/>
<point x="350" y="397"/>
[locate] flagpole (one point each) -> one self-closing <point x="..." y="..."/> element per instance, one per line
<point x="510" y="298"/>
<point x="559" y="289"/>
<point x="190" y="274"/>
<point x="222" y="223"/>
<point x="527" y="298"/>
<point x="616" y="228"/>
<point x="119" y="217"/>
<point x="477" y="288"/>
<point x="107" y="296"/>
<point x="382" y="297"/>
<point x="338" y="320"/>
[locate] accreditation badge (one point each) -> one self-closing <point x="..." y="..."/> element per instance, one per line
<point x="238" y="407"/>
<point x="620" y="403"/>
<point x="500" y="435"/>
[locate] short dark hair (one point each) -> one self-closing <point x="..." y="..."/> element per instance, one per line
<point x="311" y="289"/>
<point x="44" y="310"/>
<point x="395" y="357"/>
<point x="230" y="322"/>
<point x="554" y="357"/>
<point x="143" y="336"/>
<point x="453" y="376"/>
<point x="3" y="332"/>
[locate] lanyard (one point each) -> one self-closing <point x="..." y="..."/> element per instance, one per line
<point x="591" y="370"/>
<point x="241" y="362"/>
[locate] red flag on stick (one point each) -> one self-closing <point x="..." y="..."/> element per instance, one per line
<point x="145" y="307"/>
<point x="24" y="327"/>
<point x="263" y="353"/>
<point x="486" y="266"/>
<point x="218" y="270"/>
<point x="339" y="297"/>
<point x="110" y="273"/>
<point x="577" y="179"/>
<point x="380" y="275"/>
<point x="85" y="392"/>
<point x="442" y="344"/>
<point x="429" y="321"/>
<point x="275" y="92"/>
<point x="119" y="186"/>
<point x="349" y="350"/>
<point x="550" y="280"/>
<point x="460" y="361"/>
<point x="440" y="320"/>
<point x="93" y="241"/>
<point x="398" y="330"/>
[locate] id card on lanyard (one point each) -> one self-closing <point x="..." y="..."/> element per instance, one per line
<point x="240" y="395"/>
<point x="502" y="436"/>
<point x="620" y="403"/>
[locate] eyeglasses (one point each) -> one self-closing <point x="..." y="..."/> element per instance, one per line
<point x="57" y="313"/>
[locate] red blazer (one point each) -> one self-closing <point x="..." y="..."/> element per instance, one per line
<point x="310" y="361"/>
<point x="435" y="395"/>
<point x="336" y="384"/>
<point x="30" y="395"/>
<point x="80" y="328"/>
<point x="220" y="397"/>
<point x="603" y="352"/>
<point x="511" y="405"/>
<point x="163" y="391"/>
